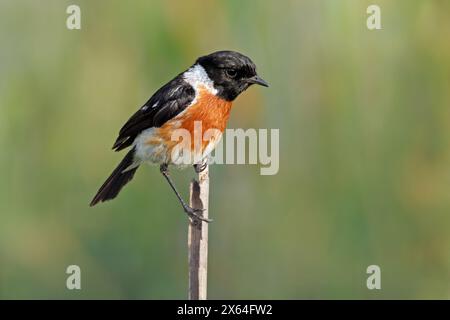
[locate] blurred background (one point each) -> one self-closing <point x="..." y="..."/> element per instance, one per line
<point x="364" y="175"/>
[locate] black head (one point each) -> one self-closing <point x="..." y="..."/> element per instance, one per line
<point x="231" y="73"/>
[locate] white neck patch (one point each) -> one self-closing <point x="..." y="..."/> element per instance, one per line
<point x="197" y="77"/>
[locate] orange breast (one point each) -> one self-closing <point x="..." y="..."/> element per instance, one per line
<point x="212" y="111"/>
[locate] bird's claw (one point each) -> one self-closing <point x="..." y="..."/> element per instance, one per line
<point x="200" y="167"/>
<point x="196" y="214"/>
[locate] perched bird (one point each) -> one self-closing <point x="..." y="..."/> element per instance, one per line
<point x="204" y="93"/>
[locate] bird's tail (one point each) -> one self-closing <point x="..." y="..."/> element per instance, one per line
<point x="118" y="178"/>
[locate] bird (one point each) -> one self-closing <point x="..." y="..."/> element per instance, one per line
<point x="204" y="92"/>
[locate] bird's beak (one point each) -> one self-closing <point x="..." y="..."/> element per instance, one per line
<point x="257" y="80"/>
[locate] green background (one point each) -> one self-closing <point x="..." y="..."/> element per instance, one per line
<point x="364" y="174"/>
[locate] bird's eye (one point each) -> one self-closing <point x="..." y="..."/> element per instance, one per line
<point x="232" y="73"/>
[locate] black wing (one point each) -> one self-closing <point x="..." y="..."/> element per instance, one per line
<point x="165" y="104"/>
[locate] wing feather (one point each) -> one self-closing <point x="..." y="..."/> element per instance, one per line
<point x="165" y="104"/>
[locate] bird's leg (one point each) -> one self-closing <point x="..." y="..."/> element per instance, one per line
<point x="200" y="167"/>
<point x="191" y="212"/>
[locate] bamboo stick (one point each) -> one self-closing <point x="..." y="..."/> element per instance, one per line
<point x="198" y="238"/>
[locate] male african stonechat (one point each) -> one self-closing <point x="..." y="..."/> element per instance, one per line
<point x="205" y="93"/>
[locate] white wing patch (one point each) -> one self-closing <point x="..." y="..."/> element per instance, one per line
<point x="145" y="107"/>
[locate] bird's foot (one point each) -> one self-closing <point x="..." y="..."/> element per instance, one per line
<point x="196" y="214"/>
<point x="200" y="167"/>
